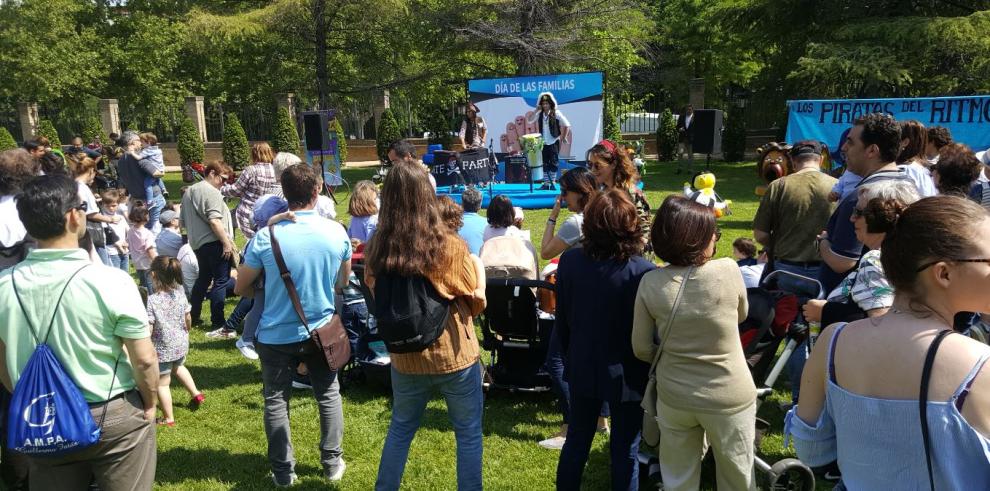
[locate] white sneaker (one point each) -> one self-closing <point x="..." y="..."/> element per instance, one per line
<point x="247" y="349"/>
<point x="338" y="474"/>
<point x="555" y="443"/>
<point x="292" y="480"/>
<point x="222" y="333"/>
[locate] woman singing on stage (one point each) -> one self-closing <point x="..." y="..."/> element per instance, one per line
<point x="555" y="129"/>
<point x="473" y="128"/>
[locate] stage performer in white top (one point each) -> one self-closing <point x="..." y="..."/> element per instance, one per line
<point x="555" y="129"/>
<point x="473" y="128"/>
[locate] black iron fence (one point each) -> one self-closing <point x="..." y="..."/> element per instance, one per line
<point x="69" y="121"/>
<point x="164" y="123"/>
<point x="256" y="121"/>
<point x="9" y="119"/>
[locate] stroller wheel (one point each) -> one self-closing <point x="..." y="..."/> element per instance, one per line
<point x="791" y="475"/>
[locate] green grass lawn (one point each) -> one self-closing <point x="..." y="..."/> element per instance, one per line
<point x="223" y="446"/>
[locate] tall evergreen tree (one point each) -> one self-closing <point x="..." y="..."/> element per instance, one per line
<point x="236" y="151"/>
<point x="285" y="138"/>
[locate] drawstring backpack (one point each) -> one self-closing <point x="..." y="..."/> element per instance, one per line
<point x="48" y="414"/>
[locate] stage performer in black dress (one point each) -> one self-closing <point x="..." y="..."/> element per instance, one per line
<point x="473" y="128"/>
<point x="555" y="129"/>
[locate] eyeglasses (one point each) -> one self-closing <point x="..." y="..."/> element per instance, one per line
<point x="718" y="235"/>
<point x="83" y="207"/>
<point x="928" y="265"/>
<point x="563" y="192"/>
<point x="858" y="212"/>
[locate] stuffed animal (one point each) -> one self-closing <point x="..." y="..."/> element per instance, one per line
<point x="775" y="162"/>
<point x="704" y="193"/>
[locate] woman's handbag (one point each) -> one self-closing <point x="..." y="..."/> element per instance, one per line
<point x="331" y="338"/>
<point x="651" y="429"/>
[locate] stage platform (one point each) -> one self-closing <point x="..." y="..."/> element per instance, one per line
<point x="520" y="194"/>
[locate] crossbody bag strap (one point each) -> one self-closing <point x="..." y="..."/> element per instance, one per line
<point x="283" y="271"/>
<point x="51" y="323"/>
<point x="926" y="376"/>
<point x="670" y="320"/>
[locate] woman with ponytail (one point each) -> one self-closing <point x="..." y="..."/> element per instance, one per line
<point x="860" y="399"/>
<point x="168" y="313"/>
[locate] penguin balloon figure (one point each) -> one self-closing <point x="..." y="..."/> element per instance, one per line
<point x="704" y="193"/>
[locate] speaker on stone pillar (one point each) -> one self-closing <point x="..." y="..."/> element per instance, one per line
<point x="315" y="130"/>
<point x="706" y="131"/>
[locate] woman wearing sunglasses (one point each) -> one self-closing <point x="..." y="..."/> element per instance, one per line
<point x="612" y="168"/>
<point x="860" y="399"/>
<point x="865" y="291"/>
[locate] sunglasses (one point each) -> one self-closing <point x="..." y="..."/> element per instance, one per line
<point x="718" y="235"/>
<point x="928" y="265"/>
<point x="83" y="207"/>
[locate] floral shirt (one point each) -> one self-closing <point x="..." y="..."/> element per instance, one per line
<point x="867" y="286"/>
<point x="257" y="180"/>
<point x="167" y="314"/>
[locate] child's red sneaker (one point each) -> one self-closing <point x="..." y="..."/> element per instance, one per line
<point x="197" y="401"/>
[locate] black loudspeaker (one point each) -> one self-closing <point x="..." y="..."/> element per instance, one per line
<point x="706" y="131"/>
<point x="316" y="126"/>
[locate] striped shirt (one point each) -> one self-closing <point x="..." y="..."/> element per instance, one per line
<point x="257" y="180"/>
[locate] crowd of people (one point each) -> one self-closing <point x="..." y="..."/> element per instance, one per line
<point x="891" y="255"/>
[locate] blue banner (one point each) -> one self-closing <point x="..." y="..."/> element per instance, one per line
<point x="967" y="118"/>
<point x="566" y="88"/>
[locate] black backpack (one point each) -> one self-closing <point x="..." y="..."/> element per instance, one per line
<point x="410" y="314"/>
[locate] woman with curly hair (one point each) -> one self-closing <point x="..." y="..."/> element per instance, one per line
<point x="596" y="287"/>
<point x="865" y="291"/>
<point x="704" y="389"/>
<point x="956" y="170"/>
<point x="612" y="168"/>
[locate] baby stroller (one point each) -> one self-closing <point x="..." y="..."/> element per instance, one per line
<point x="513" y="328"/>
<point x="370" y="361"/>
<point x="772" y="319"/>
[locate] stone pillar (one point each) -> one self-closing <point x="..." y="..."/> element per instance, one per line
<point x="288" y="101"/>
<point x="697" y="93"/>
<point x="197" y="113"/>
<point x="110" y="116"/>
<point x="27" y="112"/>
<point x="380" y="105"/>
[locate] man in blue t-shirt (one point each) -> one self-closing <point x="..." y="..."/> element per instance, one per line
<point x="871" y="149"/>
<point x="317" y="254"/>
<point x="473" y="230"/>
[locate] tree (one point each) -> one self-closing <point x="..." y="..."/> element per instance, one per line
<point x="236" y="152"/>
<point x="667" y="137"/>
<point x="341" y="140"/>
<point x="189" y="143"/>
<point x="612" y="130"/>
<point x="388" y="133"/>
<point x="93" y="129"/>
<point x="285" y="138"/>
<point x="734" y="139"/>
<point x="47" y="130"/>
<point x="6" y="140"/>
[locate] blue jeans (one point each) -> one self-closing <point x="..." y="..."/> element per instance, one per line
<point x="144" y="279"/>
<point x="155" y="206"/>
<point x="465" y="402"/>
<point x="254" y="316"/>
<point x="119" y="261"/>
<point x="555" y="367"/>
<point x="104" y="256"/>
<point x="355" y="319"/>
<point x="212" y="268"/>
<point x="240" y="312"/>
<point x="627" y="422"/>
<point x="278" y="365"/>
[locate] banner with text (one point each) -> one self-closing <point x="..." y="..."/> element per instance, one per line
<point x="507" y="104"/>
<point x="968" y="118"/>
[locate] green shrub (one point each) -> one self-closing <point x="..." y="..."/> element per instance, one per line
<point x="734" y="139"/>
<point x="47" y="130"/>
<point x="341" y="140"/>
<point x="7" y="141"/>
<point x="285" y="138"/>
<point x="236" y="151"/>
<point x="388" y="133"/>
<point x="667" y="137"/>
<point x="189" y="143"/>
<point x="438" y="123"/>
<point x="93" y="128"/>
<point x="612" y="131"/>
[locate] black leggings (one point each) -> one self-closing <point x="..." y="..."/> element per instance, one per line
<point x="550" y="156"/>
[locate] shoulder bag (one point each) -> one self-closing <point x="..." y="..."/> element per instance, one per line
<point x="926" y="376"/>
<point x="651" y="429"/>
<point x="331" y="338"/>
